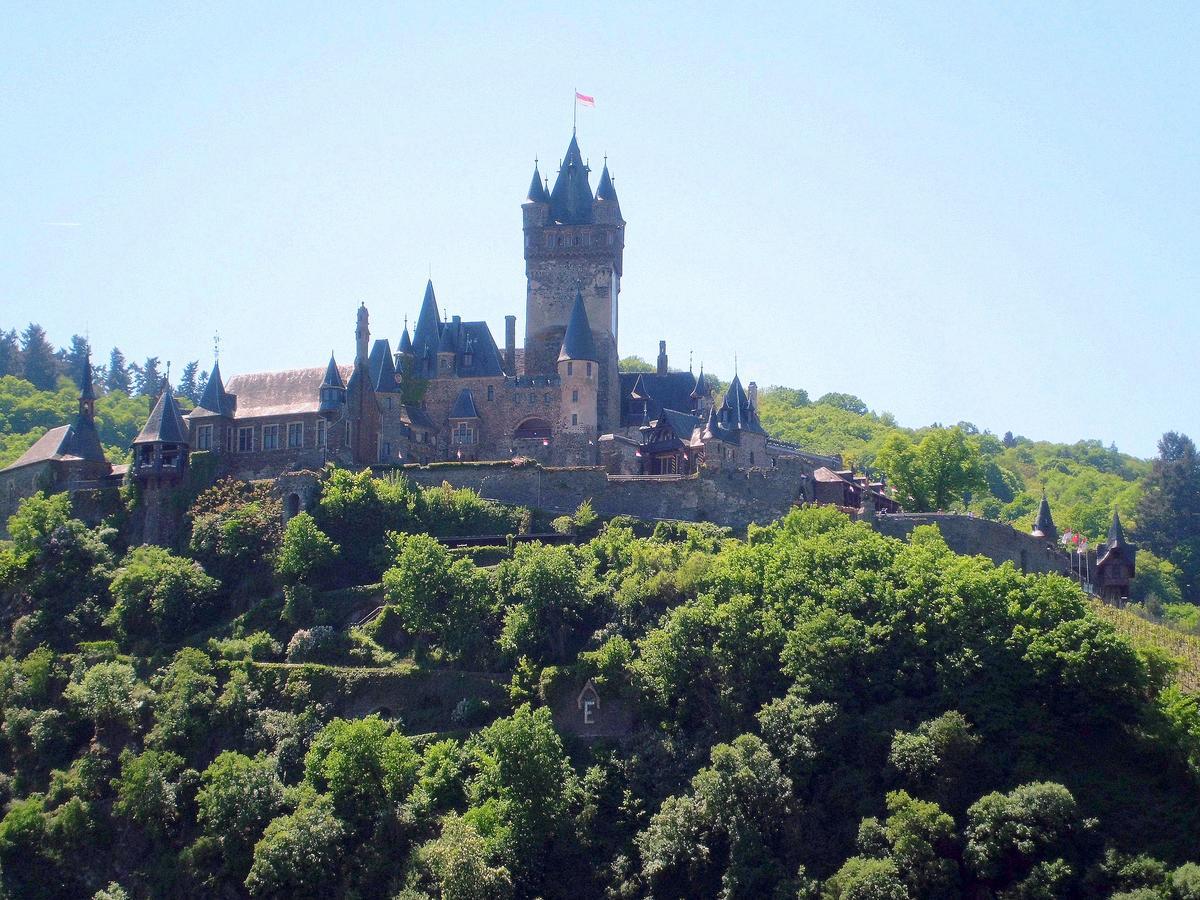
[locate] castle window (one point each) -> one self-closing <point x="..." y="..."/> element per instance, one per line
<point x="574" y="418"/>
<point x="589" y="370"/>
<point x="545" y="398"/>
<point x="295" y="435"/>
<point x="463" y="434"/>
<point x="569" y="367"/>
<point x="751" y="457"/>
<point x="610" y="239"/>
<point x="467" y="359"/>
<point x="386" y="452"/>
<point x="246" y="440"/>
<point x="549" y="240"/>
<point x="574" y="396"/>
<point x="270" y="440"/>
<point x="576" y="240"/>
<point x="491" y="392"/>
<point x="204" y="437"/>
<point x="321" y="425"/>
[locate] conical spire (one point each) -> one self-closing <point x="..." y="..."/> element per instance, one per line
<point x="165" y="425"/>
<point x="405" y="341"/>
<point x="702" y="389"/>
<point x="571" y="199"/>
<point x="537" y="190"/>
<point x="428" y="332"/>
<point x="606" y="191"/>
<point x="639" y="391"/>
<point x="333" y="378"/>
<point x="711" y="427"/>
<point x="577" y="341"/>
<point x="214" y="399"/>
<point x="736" y="403"/>
<point x="1044" y="524"/>
<point x="87" y="390"/>
<point x="1116" y="534"/>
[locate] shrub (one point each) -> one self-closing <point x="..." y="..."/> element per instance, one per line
<point x="319" y="644"/>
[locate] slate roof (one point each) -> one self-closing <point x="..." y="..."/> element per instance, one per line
<point x="291" y="392"/>
<point x="78" y="441"/>
<point x="405" y="341"/>
<point x="418" y="417"/>
<point x="702" y="388"/>
<point x="333" y="377"/>
<point x="578" y="342"/>
<point x="215" y="400"/>
<point x="427" y="334"/>
<point x="683" y="424"/>
<point x="670" y="391"/>
<point x="1116" y="534"/>
<point x="87" y="390"/>
<point x="605" y="190"/>
<point x="736" y="413"/>
<point x="571" y="198"/>
<point x="165" y="425"/>
<point x="382" y="366"/>
<point x="537" y="190"/>
<point x="464" y="406"/>
<point x="1044" y="524"/>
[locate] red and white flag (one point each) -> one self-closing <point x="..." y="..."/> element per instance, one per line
<point x="585" y="99"/>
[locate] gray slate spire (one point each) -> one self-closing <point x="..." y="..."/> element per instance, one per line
<point x="405" y="341"/>
<point x="428" y="332"/>
<point x="606" y="191"/>
<point x="1116" y="534"/>
<point x="214" y="399"/>
<point x="577" y="341"/>
<point x="1044" y="524"/>
<point x="537" y="190"/>
<point x="333" y="378"/>
<point x="571" y="199"/>
<point x="165" y="425"/>
<point x="464" y="406"/>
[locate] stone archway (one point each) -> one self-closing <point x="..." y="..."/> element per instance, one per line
<point x="533" y="428"/>
<point x="291" y="505"/>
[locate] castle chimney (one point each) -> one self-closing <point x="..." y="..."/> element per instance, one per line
<point x="662" y="357"/>
<point x="510" y="345"/>
<point x="752" y="394"/>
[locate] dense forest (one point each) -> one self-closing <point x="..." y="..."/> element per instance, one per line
<point x="814" y="710"/>
<point x="819" y="711"/>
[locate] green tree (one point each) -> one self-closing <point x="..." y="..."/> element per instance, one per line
<point x="728" y="834"/>
<point x="521" y="765"/>
<point x="116" y="376"/>
<point x="848" y="402"/>
<point x="1008" y="835"/>
<point x="148" y="790"/>
<point x="108" y="694"/>
<point x="238" y="797"/>
<point x="10" y="354"/>
<point x="183" y="705"/>
<point x="942" y="469"/>
<point x="357" y="510"/>
<point x="1168" y="514"/>
<point x="187" y="381"/>
<point x="161" y="595"/>
<point x="363" y="764"/>
<point x="38" y="364"/>
<point x="306" y="554"/>
<point x="544" y="591"/>
<point x="458" y="865"/>
<point x="299" y="854"/>
<point x="635" y="364"/>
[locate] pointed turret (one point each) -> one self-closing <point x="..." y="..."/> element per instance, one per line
<point x="165" y="425"/>
<point x="537" y="189"/>
<point x="428" y="332"/>
<point x="464" y="406"/>
<point x="214" y="401"/>
<point x="447" y="342"/>
<point x="734" y="409"/>
<point x="405" y="341"/>
<point x="332" y="396"/>
<point x="578" y="342"/>
<point x="1116" y="534"/>
<point x="87" y="390"/>
<point x="606" y="191"/>
<point x="702" y="390"/>
<point x="1044" y="526"/>
<point x="711" y="428"/>
<point x="571" y="199"/>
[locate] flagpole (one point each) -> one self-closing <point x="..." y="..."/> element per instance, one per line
<point x="574" y="108"/>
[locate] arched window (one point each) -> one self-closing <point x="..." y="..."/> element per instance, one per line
<point x="532" y="429"/>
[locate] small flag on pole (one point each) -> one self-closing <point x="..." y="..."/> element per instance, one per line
<point x="585" y="99"/>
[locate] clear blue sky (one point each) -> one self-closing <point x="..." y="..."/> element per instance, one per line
<point x="955" y="210"/>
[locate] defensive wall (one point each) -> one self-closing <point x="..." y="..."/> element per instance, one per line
<point x="731" y="498"/>
<point x="973" y="536"/>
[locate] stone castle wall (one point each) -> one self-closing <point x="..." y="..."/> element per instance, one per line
<point x="968" y="535"/>
<point x="730" y="498"/>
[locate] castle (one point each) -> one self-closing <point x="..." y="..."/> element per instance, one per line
<point x="448" y="392"/>
<point x="658" y="444"/>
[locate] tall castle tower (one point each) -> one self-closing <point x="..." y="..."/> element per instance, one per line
<point x="574" y="242"/>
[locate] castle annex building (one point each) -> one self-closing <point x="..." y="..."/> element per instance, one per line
<point x="449" y="391"/>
